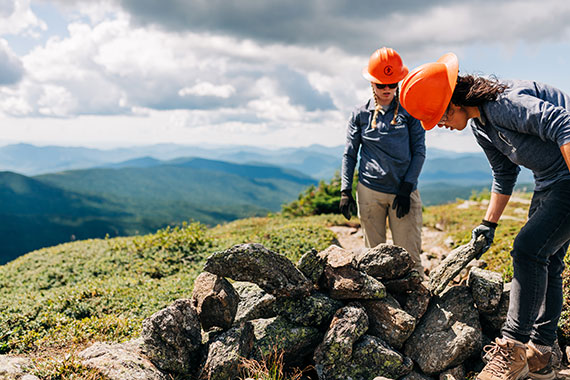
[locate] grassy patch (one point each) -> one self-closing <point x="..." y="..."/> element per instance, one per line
<point x="458" y="220"/>
<point x="103" y="289"/>
<point x="68" y="367"/>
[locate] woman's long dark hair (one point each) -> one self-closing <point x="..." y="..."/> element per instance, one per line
<point x="473" y="90"/>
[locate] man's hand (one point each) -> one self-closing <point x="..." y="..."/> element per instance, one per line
<point x="347" y="204"/>
<point x="487" y="229"/>
<point x="402" y="201"/>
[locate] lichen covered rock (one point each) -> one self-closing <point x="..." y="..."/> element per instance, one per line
<point x="273" y="272"/>
<point x="278" y="334"/>
<point x="226" y="351"/>
<point x="451" y="326"/>
<point x="335" y="351"/>
<point x="389" y="321"/>
<point x="215" y="300"/>
<point x="254" y="302"/>
<point x="172" y="337"/>
<point x="316" y="310"/>
<point x="487" y="289"/>
<point x="385" y="262"/>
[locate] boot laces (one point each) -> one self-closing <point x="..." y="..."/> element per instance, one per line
<point x="500" y="356"/>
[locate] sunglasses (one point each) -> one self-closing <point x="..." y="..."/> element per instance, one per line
<point x="381" y="86"/>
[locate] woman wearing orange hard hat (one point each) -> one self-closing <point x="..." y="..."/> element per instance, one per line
<point x="391" y="144"/>
<point x="516" y="123"/>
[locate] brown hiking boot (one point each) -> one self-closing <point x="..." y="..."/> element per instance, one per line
<point x="506" y="361"/>
<point x="539" y="364"/>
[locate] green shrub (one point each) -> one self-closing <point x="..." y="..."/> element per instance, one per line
<point x="323" y="199"/>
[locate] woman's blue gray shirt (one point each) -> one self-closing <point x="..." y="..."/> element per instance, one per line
<point x="389" y="154"/>
<point x="526" y="125"/>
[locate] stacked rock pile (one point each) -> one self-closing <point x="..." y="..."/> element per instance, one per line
<point x="349" y="315"/>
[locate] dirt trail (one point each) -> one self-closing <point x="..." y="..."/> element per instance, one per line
<point x="434" y="244"/>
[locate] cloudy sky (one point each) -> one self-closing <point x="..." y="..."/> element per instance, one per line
<point x="108" y="73"/>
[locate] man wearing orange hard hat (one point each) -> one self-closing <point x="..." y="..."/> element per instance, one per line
<point x="391" y="144"/>
<point x="516" y="123"/>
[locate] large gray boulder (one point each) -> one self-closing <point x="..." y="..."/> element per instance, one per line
<point x="492" y="322"/>
<point x="410" y="282"/>
<point x="172" y="337"/>
<point x="388" y="321"/>
<point x="456" y="373"/>
<point x="335" y="351"/>
<point x="316" y="310"/>
<point x="448" y="333"/>
<point x="254" y="302"/>
<point x="415" y="302"/>
<point x="279" y="335"/>
<point x="122" y="361"/>
<point x="385" y="261"/>
<point x="226" y="351"/>
<point x="343" y="281"/>
<point x="215" y="300"/>
<point x="487" y="289"/>
<point x="373" y="357"/>
<point x="416" y="376"/>
<point x="273" y="272"/>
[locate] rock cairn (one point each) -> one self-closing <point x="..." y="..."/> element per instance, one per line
<point x="360" y="316"/>
<point x="346" y="315"/>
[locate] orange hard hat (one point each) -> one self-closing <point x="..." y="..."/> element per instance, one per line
<point x="385" y="67"/>
<point x="427" y="90"/>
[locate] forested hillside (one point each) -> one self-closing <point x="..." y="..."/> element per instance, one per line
<point x="50" y="209"/>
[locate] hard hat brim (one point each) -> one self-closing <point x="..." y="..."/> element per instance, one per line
<point x="452" y="67"/>
<point x="369" y="77"/>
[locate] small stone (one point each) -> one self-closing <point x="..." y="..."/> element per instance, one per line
<point x="172" y="337"/>
<point x="316" y="310"/>
<point x="487" y="288"/>
<point x="273" y="272"/>
<point x="385" y="262"/>
<point x="215" y="300"/>
<point x="312" y="266"/>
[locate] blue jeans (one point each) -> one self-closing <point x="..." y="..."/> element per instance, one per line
<point x="538" y="262"/>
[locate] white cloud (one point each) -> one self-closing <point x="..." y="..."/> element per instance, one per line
<point x="16" y="17"/>
<point x="11" y="68"/>
<point x="55" y="101"/>
<point x="208" y="89"/>
<point x="115" y="68"/>
<point x="157" y="77"/>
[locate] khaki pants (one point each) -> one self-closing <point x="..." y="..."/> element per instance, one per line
<point x="373" y="209"/>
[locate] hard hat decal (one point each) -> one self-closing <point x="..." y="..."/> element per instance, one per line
<point x="385" y="67"/>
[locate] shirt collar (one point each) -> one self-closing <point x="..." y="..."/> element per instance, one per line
<point x="482" y="118"/>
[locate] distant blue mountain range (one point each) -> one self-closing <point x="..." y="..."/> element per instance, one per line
<point x="50" y="195"/>
<point x="316" y="161"/>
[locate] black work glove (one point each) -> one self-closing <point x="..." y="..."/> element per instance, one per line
<point x="402" y="201"/>
<point x="347" y="204"/>
<point x="486" y="229"/>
